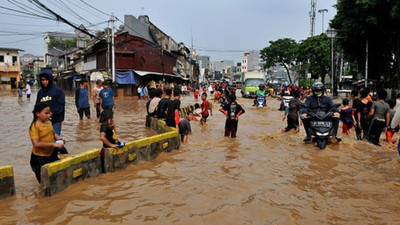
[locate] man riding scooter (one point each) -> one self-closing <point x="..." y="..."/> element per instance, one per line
<point x="260" y="93"/>
<point x="319" y="102"/>
<point x="286" y="94"/>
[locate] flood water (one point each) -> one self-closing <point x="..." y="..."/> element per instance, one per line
<point x="261" y="177"/>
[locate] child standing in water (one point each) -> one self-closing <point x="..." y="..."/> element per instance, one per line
<point x="196" y="112"/>
<point x="346" y="116"/>
<point x="96" y="97"/>
<point x="42" y="136"/>
<point x="205" y="106"/>
<point x="392" y="112"/>
<point x="232" y="112"/>
<point x="107" y="130"/>
<point x="107" y="134"/>
<point x="196" y="95"/>
<point x="185" y="128"/>
<point x="292" y="113"/>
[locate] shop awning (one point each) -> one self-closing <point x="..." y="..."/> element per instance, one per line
<point x="144" y="73"/>
<point x="124" y="77"/>
<point x="98" y="75"/>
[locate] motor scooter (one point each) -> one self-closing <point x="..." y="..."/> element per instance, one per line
<point x="322" y="126"/>
<point x="261" y="102"/>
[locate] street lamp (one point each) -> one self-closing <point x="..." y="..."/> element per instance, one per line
<point x="332" y="33"/>
<point x="323" y="11"/>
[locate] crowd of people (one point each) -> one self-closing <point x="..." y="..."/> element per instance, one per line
<point x="162" y="105"/>
<point x="369" y="118"/>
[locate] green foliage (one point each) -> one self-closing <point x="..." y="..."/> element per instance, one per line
<point x="55" y="42"/>
<point x="306" y="82"/>
<point x="282" y="51"/>
<point x="314" y="54"/>
<point x="279" y="51"/>
<point x="377" y="21"/>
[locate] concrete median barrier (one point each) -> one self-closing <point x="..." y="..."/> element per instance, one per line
<point x="7" y="184"/>
<point x="58" y="175"/>
<point x="148" y="148"/>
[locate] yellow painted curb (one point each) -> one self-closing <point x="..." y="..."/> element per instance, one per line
<point x="6" y="171"/>
<point x="72" y="160"/>
<point x="77" y="173"/>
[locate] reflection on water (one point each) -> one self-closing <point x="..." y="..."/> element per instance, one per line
<point x="261" y="177"/>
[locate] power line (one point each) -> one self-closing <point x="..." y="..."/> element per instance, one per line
<point x="26" y="13"/>
<point x="22" y="40"/>
<point x="23" y="6"/>
<point x="70" y="1"/>
<point x="28" y="25"/>
<point x="61" y="18"/>
<point x="109" y="15"/>
<point x="68" y="10"/>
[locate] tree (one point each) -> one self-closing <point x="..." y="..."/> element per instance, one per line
<point x="378" y="23"/>
<point x="314" y="54"/>
<point x="282" y="51"/>
<point x="64" y="44"/>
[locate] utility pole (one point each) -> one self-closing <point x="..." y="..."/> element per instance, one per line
<point x="312" y="16"/>
<point x="191" y="56"/>
<point x="323" y="11"/>
<point x="366" y="64"/>
<point x="112" y="48"/>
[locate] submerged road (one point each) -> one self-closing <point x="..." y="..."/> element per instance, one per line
<point x="261" y="177"/>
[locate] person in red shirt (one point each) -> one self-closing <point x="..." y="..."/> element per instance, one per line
<point x="205" y="106"/>
<point x="196" y="95"/>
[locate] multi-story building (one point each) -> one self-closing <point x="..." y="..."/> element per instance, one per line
<point x="223" y="69"/>
<point x="204" y="65"/>
<point x="10" y="67"/>
<point x="223" y="66"/>
<point x="53" y="48"/>
<point x="250" y="61"/>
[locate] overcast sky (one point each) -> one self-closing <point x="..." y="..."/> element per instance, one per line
<point x="222" y="29"/>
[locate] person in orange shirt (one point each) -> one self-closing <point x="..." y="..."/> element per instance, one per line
<point x="196" y="95"/>
<point x="217" y="96"/>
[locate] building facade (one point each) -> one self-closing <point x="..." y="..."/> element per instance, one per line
<point x="204" y="64"/>
<point x="10" y="67"/>
<point x="250" y="61"/>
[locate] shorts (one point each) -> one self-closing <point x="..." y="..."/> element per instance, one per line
<point x="38" y="161"/>
<point x="28" y="95"/>
<point x="84" y="110"/>
<point x="182" y="136"/>
<point x="204" y="118"/>
<point x="20" y="93"/>
<point x="346" y="127"/>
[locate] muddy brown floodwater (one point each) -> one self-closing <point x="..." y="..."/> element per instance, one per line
<point x="261" y="177"/>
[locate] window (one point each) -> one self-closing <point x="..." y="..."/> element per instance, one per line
<point x="14" y="60"/>
<point x="1" y="58"/>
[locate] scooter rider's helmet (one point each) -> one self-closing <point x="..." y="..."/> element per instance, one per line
<point x="261" y="87"/>
<point x="318" y="89"/>
<point x="286" y="84"/>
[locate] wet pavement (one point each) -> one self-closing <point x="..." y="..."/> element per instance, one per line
<point x="261" y="177"/>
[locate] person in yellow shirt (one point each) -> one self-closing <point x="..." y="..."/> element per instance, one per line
<point x="42" y="136"/>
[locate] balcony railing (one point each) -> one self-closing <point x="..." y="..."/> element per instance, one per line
<point x="9" y="68"/>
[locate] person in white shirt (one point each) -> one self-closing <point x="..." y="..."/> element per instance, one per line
<point x="28" y="91"/>
<point x="397" y="103"/>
